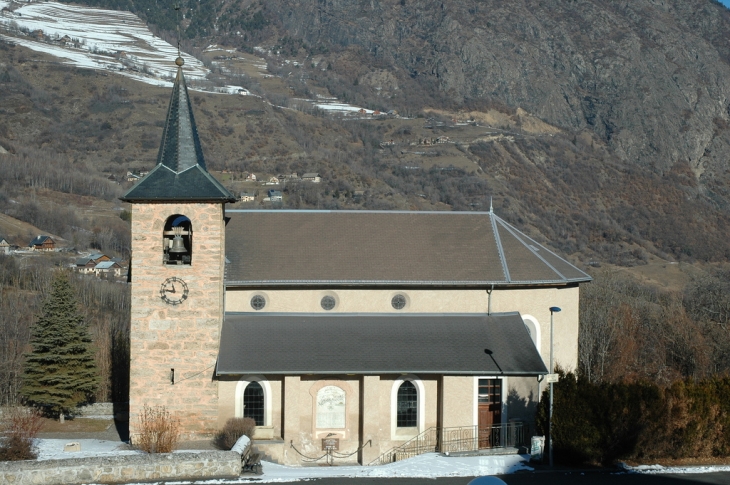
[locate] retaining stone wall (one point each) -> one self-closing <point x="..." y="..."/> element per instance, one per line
<point x="117" y="469"/>
<point x="96" y="409"/>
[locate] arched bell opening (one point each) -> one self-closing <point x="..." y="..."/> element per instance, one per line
<point x="177" y="240"/>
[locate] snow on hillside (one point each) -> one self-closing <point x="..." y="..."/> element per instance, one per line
<point x="99" y="39"/>
<point x="119" y="42"/>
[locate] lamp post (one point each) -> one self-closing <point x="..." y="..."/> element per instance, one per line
<point x="553" y="309"/>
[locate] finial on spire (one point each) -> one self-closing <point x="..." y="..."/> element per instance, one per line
<point x="179" y="61"/>
<point x="491" y="209"/>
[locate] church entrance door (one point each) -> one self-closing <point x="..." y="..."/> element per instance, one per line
<point x="490" y="412"/>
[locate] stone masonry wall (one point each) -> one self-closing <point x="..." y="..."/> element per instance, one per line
<point x="121" y="469"/>
<point x="182" y="337"/>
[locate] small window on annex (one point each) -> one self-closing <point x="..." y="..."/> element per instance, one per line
<point x="177" y="240"/>
<point x="253" y="403"/>
<point x="407" y="406"/>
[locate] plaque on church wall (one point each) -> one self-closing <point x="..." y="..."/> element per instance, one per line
<point x="330" y="407"/>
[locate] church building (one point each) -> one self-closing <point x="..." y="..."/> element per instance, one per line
<point x="345" y="333"/>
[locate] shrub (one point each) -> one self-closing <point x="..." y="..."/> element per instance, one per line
<point x="605" y="422"/>
<point x="159" y="431"/>
<point x="19" y="427"/>
<point x="234" y="429"/>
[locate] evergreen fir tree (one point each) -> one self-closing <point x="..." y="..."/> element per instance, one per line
<point x="60" y="371"/>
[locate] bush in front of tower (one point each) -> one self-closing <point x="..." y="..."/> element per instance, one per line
<point x="232" y="430"/>
<point x="158" y="430"/>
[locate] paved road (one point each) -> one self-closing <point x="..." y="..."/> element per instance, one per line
<point x="550" y="478"/>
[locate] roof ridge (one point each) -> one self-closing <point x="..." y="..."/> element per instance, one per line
<point x="500" y="249"/>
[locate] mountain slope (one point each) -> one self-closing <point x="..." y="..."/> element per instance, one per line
<point x="650" y="78"/>
<point x="647" y="77"/>
<point x="598" y="126"/>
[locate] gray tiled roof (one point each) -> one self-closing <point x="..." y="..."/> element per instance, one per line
<point x="180" y="173"/>
<point x="107" y="265"/>
<point x="38" y="240"/>
<point x="386" y="248"/>
<point x="377" y="343"/>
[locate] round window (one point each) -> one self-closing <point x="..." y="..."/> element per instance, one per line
<point x="258" y="302"/>
<point x="328" y="302"/>
<point x="398" y="302"/>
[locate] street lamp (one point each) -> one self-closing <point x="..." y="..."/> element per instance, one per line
<point x="553" y="309"/>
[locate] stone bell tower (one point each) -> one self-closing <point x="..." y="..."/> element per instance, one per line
<point x="178" y="257"/>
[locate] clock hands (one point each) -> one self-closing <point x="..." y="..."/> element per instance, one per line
<point x="169" y="292"/>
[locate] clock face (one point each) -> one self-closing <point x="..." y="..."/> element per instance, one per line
<point x="173" y="291"/>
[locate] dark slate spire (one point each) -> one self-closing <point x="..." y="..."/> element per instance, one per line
<point x="180" y="147"/>
<point x="180" y="173"/>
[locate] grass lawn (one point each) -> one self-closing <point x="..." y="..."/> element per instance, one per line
<point x="76" y="425"/>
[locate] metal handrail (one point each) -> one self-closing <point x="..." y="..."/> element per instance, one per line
<point x="457" y="439"/>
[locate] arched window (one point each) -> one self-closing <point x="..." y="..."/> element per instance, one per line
<point x="407" y="406"/>
<point x="177" y="240"/>
<point x="253" y="403"/>
<point x="253" y="399"/>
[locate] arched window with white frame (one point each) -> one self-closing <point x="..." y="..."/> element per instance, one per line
<point x="253" y="400"/>
<point x="408" y="408"/>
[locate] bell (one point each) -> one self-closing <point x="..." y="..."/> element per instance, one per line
<point x="178" y="245"/>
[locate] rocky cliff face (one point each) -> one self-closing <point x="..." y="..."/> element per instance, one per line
<point x="651" y="78"/>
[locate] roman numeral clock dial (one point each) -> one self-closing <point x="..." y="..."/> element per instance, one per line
<point x="173" y="291"/>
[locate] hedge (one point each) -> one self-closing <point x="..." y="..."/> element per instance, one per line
<point x="603" y="423"/>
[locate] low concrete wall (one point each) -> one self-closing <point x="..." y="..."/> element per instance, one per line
<point x="117" y="469"/>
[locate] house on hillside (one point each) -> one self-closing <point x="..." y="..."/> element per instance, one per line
<point x="354" y="331"/>
<point x="311" y="177"/>
<point x="274" y="195"/>
<point x="4" y="246"/>
<point x="85" y="265"/>
<point x="247" y="197"/>
<point x="108" y="268"/>
<point x="99" y="257"/>
<point x="42" y="243"/>
<point x="251" y="177"/>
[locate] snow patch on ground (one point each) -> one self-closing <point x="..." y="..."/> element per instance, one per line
<point x="664" y="470"/>
<point x="52" y="449"/>
<point x="429" y="465"/>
